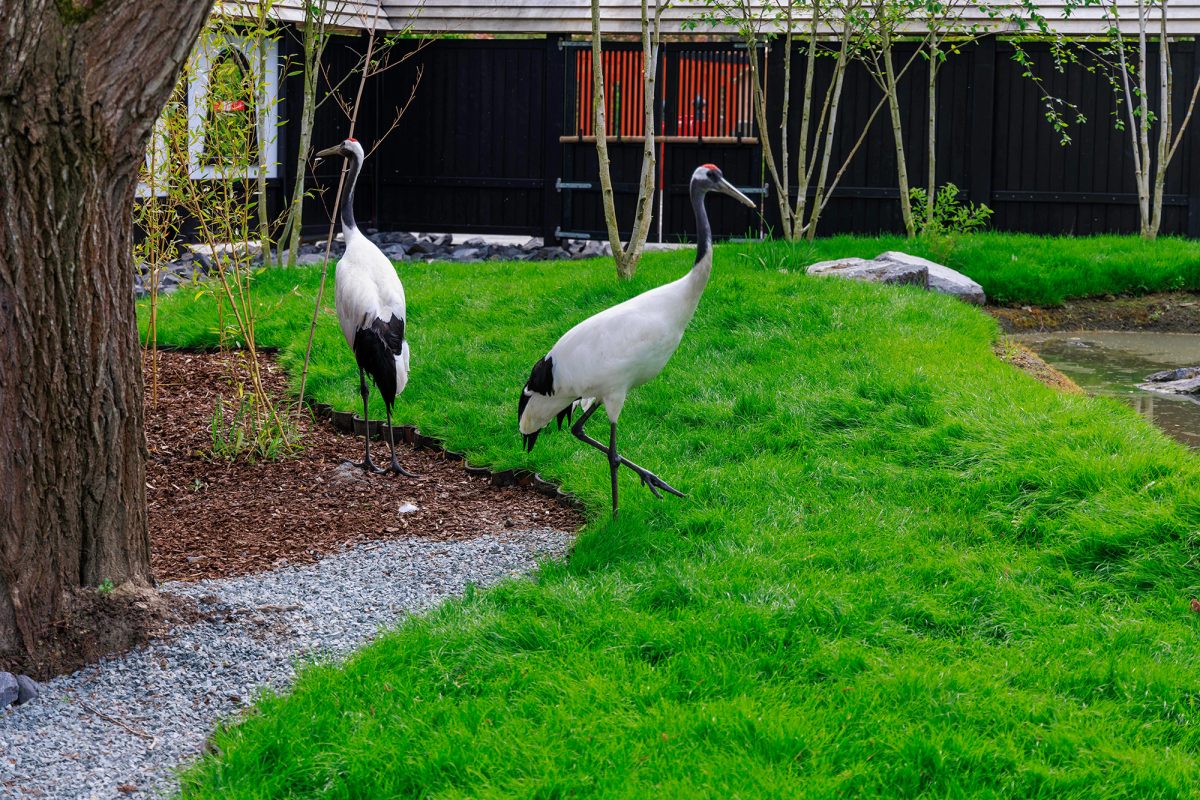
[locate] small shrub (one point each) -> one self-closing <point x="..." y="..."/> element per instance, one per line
<point x="243" y="431"/>
<point x="950" y="215"/>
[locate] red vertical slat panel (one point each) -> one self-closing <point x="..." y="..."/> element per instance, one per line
<point x="622" y="72"/>
<point x="681" y="97"/>
<point x="634" y="83"/>
<point x="689" y="96"/>
<point x="583" y="74"/>
<point x="630" y="92"/>
<point x="580" y="94"/>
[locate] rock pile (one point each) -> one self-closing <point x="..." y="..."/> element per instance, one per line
<point x="193" y="265"/>
<point x="16" y="690"/>
<point x="894" y="267"/>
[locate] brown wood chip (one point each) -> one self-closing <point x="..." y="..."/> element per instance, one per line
<point x="212" y="518"/>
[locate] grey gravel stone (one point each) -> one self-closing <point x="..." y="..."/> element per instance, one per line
<point x="168" y="696"/>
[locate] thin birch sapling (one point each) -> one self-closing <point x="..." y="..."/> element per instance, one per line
<point x="627" y="256"/>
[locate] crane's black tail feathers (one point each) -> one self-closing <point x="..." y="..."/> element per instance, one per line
<point x="376" y="347"/>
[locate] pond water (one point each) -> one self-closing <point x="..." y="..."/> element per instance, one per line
<point x="1113" y="363"/>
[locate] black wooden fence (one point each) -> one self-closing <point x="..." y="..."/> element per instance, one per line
<point x="495" y="142"/>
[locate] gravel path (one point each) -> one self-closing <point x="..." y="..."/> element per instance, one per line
<point x="164" y="699"/>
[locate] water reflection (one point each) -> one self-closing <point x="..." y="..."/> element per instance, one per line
<point x="1113" y="363"/>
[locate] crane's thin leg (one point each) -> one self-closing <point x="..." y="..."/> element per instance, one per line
<point x="614" y="462"/>
<point x="652" y="481"/>
<point x="366" y="463"/>
<point x="392" y="440"/>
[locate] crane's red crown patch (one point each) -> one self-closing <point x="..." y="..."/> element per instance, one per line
<point x="352" y="139"/>
<point x="711" y="166"/>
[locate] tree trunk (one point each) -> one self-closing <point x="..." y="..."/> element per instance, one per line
<point x="261" y="29"/>
<point x="314" y="48"/>
<point x="644" y="209"/>
<point x="833" y="99"/>
<point x="759" y="102"/>
<point x="82" y="87"/>
<point x="600" y="129"/>
<point x="889" y="72"/>
<point x="1166" y="90"/>
<point x="931" y="122"/>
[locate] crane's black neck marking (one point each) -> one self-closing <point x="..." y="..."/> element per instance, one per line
<point x="703" y="231"/>
<point x="347" y="211"/>
<point x="541" y="380"/>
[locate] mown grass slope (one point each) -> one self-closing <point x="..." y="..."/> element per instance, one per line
<point x="1016" y="268"/>
<point x="903" y="568"/>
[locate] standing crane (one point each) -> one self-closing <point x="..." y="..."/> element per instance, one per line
<point x="602" y="358"/>
<point x="369" y="299"/>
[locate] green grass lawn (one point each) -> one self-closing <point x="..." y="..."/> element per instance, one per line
<point x="903" y="568"/>
<point x="1023" y="269"/>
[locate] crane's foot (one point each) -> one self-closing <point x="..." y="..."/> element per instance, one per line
<point x="366" y="466"/>
<point x="654" y="483"/>
<point x="399" y="470"/>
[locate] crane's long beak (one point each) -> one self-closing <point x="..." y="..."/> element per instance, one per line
<point x="725" y="187"/>
<point x="328" y="152"/>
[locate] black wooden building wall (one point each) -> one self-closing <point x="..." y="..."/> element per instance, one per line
<point x="478" y="149"/>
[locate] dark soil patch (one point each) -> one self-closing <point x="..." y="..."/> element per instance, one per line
<point x="96" y="624"/>
<point x="1173" y="312"/>
<point x="211" y="517"/>
<point x="1028" y="361"/>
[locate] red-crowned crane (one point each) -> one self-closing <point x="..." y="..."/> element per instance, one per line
<point x="369" y="299"/>
<point x="602" y="358"/>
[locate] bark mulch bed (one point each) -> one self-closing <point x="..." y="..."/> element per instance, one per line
<point x="211" y="517"/>
<point x="1168" y="312"/>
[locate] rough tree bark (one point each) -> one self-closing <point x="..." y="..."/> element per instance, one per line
<point x="82" y="85"/>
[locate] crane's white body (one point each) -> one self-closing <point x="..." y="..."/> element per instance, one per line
<point x="366" y="288"/>
<point x="619" y="349"/>
<point x="602" y="358"/>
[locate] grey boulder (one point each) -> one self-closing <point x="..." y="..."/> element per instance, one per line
<point x="27" y="689"/>
<point x="10" y="690"/>
<point x="1185" y="380"/>
<point x="860" y="269"/>
<point x="942" y="279"/>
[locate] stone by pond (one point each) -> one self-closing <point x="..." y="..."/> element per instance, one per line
<point x="894" y="267"/>
<point x="1118" y="363"/>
